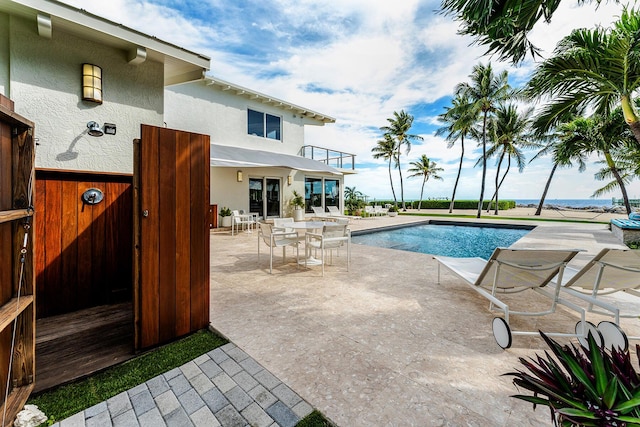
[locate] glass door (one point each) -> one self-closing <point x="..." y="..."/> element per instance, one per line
<point x="264" y="197"/>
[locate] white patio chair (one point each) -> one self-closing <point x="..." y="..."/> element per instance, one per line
<point x="319" y="211"/>
<point x="370" y="210"/>
<point x="610" y="271"/>
<point x="333" y="237"/>
<point x="511" y="271"/>
<point x="241" y="219"/>
<point x="277" y="239"/>
<point x="380" y="211"/>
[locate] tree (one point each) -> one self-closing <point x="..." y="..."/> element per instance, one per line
<point x="426" y="169"/>
<point x="510" y="131"/>
<point x="398" y="129"/>
<point x="596" y="69"/>
<point x="485" y="91"/>
<point x="353" y="199"/>
<point x="460" y="120"/>
<point x="601" y="135"/>
<point x="386" y="149"/>
<point x="502" y="26"/>
<point x="561" y="156"/>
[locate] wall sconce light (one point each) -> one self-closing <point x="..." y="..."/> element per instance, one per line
<point x="239" y="176"/>
<point x="91" y="83"/>
<point x="94" y="129"/>
<point x="289" y="180"/>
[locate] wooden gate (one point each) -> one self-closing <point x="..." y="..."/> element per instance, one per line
<point x="17" y="289"/>
<point x="171" y="234"/>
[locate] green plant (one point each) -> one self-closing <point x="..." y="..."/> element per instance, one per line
<point x="583" y="386"/>
<point x="297" y="201"/>
<point x="225" y="211"/>
<point x="393" y="208"/>
<point x="633" y="245"/>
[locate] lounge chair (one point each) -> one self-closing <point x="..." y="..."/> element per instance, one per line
<point x="511" y="271"/>
<point x="610" y="271"/>
<point x="370" y="210"/>
<point x="319" y="211"/>
<point x="380" y="211"/>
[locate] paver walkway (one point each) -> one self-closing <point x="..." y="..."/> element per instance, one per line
<point x="224" y="387"/>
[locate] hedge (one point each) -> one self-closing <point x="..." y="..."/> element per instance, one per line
<point x="444" y="204"/>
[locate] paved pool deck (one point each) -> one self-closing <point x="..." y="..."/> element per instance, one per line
<point x="383" y="344"/>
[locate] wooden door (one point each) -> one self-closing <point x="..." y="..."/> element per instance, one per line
<point x="171" y="234"/>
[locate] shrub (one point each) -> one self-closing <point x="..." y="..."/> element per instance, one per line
<point x="225" y="211"/>
<point x="583" y="386"/>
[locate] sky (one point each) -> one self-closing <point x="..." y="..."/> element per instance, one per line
<point x="359" y="61"/>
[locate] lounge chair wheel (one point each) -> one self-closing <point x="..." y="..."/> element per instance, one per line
<point x="501" y="332"/>
<point x="613" y="336"/>
<point x="582" y="336"/>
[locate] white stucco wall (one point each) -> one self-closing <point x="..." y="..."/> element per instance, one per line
<point x="4" y="53"/>
<point x="207" y="109"/>
<point x="45" y="84"/>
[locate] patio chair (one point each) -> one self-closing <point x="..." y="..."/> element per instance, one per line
<point x="370" y="210"/>
<point x="277" y="239"/>
<point x="380" y="211"/>
<point x="241" y="219"/>
<point x="333" y="237"/>
<point x="510" y="271"/>
<point x="319" y="211"/>
<point x="610" y="271"/>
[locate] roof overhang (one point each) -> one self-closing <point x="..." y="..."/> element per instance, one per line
<point x="180" y="65"/>
<point x="227" y="156"/>
<point x="267" y="99"/>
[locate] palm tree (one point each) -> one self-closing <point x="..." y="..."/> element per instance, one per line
<point x="597" y="69"/>
<point x="460" y="120"/>
<point x="386" y="149"/>
<point x="561" y="156"/>
<point x="502" y="26"/>
<point x="426" y="169"/>
<point x="509" y="130"/>
<point x="398" y="129"/>
<point x="485" y="91"/>
<point x="603" y="135"/>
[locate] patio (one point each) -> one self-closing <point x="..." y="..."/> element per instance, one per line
<point x="384" y="344"/>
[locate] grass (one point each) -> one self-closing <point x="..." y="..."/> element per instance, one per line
<point x="68" y="399"/>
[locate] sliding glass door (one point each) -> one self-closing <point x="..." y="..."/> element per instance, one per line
<point x="264" y="196"/>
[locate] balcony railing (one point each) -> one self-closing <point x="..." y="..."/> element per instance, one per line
<point x="333" y="158"/>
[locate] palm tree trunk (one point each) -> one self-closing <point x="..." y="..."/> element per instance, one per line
<point x="395" y="200"/>
<point x="501" y="181"/>
<point x="496" y="182"/>
<point x="616" y="174"/>
<point x="484" y="163"/>
<point x="404" y="207"/>
<point x="455" y="186"/>
<point x="424" y="181"/>
<point x="630" y="116"/>
<point x="546" y="188"/>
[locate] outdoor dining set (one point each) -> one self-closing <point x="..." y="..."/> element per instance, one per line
<point x="321" y="236"/>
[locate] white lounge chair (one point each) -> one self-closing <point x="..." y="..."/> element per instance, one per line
<point x="370" y="210"/>
<point x="277" y="239"/>
<point x="510" y="271"/>
<point x="319" y="211"/>
<point x="610" y="271"/>
<point x="380" y="211"/>
<point x="333" y="237"/>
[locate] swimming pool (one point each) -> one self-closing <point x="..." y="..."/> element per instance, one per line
<point x="445" y="238"/>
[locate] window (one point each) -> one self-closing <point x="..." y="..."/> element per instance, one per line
<point x="321" y="192"/>
<point x="264" y="125"/>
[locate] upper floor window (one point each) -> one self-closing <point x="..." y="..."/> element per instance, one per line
<point x="264" y="125"/>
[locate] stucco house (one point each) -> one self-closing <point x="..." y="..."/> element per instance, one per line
<point x="258" y="153"/>
<point x="91" y="87"/>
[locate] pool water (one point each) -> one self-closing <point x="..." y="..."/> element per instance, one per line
<point x="446" y="240"/>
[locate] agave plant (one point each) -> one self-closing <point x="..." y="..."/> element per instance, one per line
<point x="583" y="386"/>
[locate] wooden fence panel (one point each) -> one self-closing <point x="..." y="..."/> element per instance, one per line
<point x="86" y="257"/>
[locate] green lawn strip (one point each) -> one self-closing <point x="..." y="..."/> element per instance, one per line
<point x="315" y="419"/>
<point x="69" y="399"/>
<point x="447" y="215"/>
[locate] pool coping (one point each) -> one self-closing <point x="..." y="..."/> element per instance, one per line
<point x="444" y="222"/>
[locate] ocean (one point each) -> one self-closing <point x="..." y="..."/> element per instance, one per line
<point x="569" y="203"/>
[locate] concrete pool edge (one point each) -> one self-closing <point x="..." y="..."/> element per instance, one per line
<point x="443" y="222"/>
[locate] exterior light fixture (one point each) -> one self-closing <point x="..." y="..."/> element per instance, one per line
<point x="289" y="180"/>
<point x="94" y="129"/>
<point x="239" y="176"/>
<point x="91" y="83"/>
